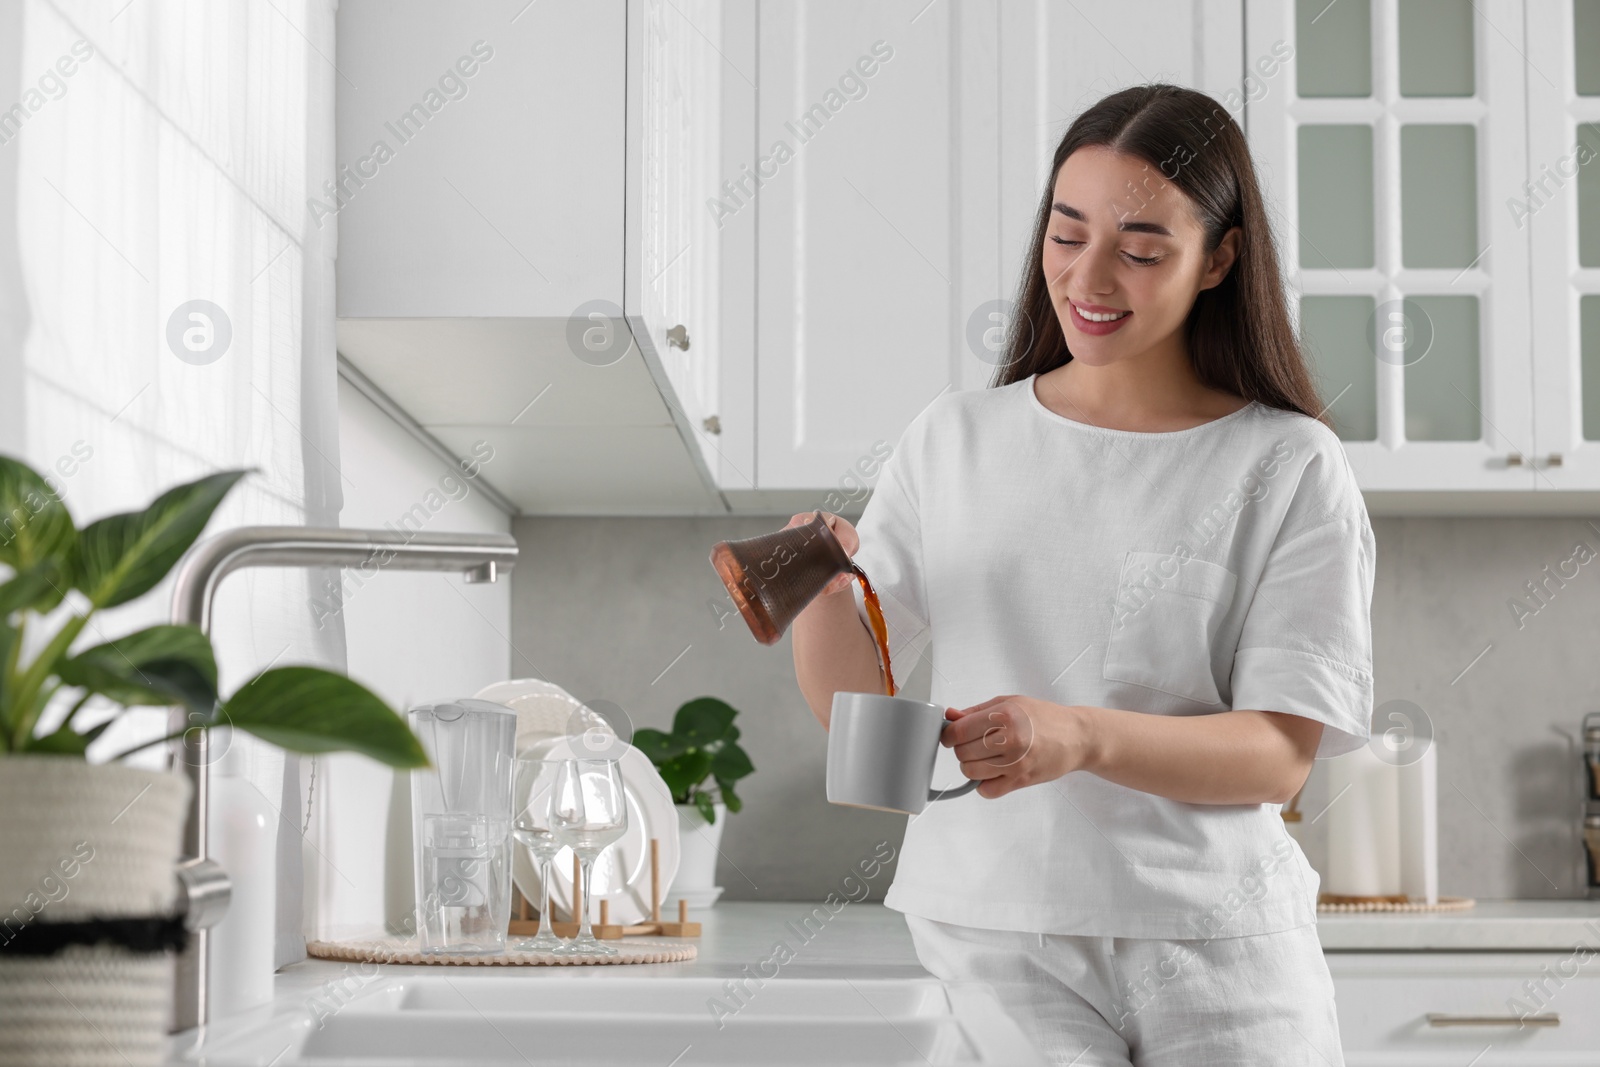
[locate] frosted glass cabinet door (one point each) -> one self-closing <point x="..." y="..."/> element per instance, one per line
<point x="1564" y="220"/>
<point x="1386" y="157"/>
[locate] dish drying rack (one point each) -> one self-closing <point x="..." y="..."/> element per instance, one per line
<point x="523" y="925"/>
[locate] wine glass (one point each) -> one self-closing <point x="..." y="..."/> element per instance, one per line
<point x="588" y="811"/>
<point x="533" y="786"/>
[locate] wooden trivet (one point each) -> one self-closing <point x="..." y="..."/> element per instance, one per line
<point x="395" y="950"/>
<point x="606" y="930"/>
<point x="1329" y="902"/>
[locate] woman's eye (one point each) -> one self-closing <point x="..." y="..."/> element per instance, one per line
<point x="1143" y="262"/>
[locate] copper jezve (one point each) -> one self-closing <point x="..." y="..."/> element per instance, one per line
<point x="771" y="579"/>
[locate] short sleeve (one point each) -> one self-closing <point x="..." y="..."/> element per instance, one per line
<point x="1306" y="645"/>
<point x="890" y="528"/>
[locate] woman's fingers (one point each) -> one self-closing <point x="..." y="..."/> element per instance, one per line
<point x="985" y="706"/>
<point x="999" y="731"/>
<point x="981" y="770"/>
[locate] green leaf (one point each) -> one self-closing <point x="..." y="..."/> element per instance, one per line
<point x="34" y="523"/>
<point x="307" y="709"/>
<point x="160" y="665"/>
<point x="660" y="747"/>
<point x="122" y="557"/>
<point x="731" y="763"/>
<point x="684" y="773"/>
<point x="729" y="797"/>
<point x="703" y="720"/>
<point x="38" y="588"/>
<point x="66" y="741"/>
<point x="707" y="807"/>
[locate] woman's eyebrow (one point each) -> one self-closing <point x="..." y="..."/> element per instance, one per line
<point x="1130" y="227"/>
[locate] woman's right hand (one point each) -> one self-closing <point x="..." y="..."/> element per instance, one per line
<point x="849" y="540"/>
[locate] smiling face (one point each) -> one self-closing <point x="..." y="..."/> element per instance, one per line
<point x="1123" y="241"/>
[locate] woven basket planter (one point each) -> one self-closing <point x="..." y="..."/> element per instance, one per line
<point x="85" y="842"/>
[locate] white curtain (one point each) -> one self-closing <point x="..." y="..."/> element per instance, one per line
<point x="181" y="302"/>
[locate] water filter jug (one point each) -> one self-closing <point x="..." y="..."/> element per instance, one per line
<point x="461" y="825"/>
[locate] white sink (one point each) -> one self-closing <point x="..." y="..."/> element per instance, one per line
<point x="681" y="1022"/>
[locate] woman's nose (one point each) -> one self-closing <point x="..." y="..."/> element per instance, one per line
<point x="1093" y="269"/>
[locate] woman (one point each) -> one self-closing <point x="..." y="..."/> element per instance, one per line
<point x="1142" y="570"/>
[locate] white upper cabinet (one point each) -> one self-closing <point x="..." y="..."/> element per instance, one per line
<point x="875" y="182"/>
<point x="1561" y="209"/>
<point x="1389" y="145"/>
<point x="905" y="148"/>
<point x="481" y="153"/>
<point x="524" y="227"/>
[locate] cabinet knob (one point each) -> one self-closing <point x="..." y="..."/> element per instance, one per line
<point x="1514" y="459"/>
<point x="712" y="424"/>
<point x="678" y="337"/>
<point x="1554" y="460"/>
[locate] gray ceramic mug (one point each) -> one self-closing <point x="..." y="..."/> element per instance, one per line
<point x="881" y="751"/>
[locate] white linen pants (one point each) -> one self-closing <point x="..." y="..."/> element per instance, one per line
<point x="1143" y="1002"/>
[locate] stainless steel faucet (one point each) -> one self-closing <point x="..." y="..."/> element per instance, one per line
<point x="480" y="557"/>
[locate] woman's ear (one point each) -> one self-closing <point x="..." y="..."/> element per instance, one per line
<point x="1223" y="259"/>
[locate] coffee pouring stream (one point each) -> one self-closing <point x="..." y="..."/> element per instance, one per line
<point x="771" y="579"/>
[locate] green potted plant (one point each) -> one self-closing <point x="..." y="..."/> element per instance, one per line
<point x="703" y="745"/>
<point x="87" y="886"/>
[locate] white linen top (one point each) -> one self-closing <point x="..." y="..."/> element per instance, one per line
<point x="1229" y="565"/>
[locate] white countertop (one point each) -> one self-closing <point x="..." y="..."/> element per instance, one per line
<point x="871" y="941"/>
<point x="1488" y="926"/>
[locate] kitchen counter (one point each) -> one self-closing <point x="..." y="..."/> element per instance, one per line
<point x="1490" y="926"/>
<point x="871" y="941"/>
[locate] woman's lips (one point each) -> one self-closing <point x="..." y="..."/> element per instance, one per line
<point x="1096" y="329"/>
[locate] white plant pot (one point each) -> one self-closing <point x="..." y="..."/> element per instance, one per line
<point x="698" y="843"/>
<point x="82" y="842"/>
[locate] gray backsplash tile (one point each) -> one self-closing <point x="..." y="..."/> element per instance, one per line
<point x="602" y="606"/>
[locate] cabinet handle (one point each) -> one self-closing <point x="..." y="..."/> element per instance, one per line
<point x="1554" y="460"/>
<point x="678" y="337"/>
<point x="1514" y="459"/>
<point x="712" y="424"/>
<point x="1548" y="1018"/>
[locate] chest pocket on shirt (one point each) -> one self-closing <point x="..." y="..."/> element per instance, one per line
<point x="1165" y="622"/>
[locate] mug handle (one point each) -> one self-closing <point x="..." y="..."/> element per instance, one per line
<point x="955" y="791"/>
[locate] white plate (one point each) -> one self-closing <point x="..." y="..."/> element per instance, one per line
<point x="622" y="871"/>
<point x="543" y="709"/>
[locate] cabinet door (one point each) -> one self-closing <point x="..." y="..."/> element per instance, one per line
<point x="1057" y="60"/>
<point x="1489" y="1009"/>
<point x="1387" y="149"/>
<point x="875" y="185"/>
<point x="1561" y="209"/>
<point x="691" y="102"/>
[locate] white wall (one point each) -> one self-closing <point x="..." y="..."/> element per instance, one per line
<point x="413" y="638"/>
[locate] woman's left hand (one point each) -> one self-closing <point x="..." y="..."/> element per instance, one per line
<point x="1015" y="741"/>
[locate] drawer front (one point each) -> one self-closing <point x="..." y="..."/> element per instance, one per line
<point x="1443" y="1007"/>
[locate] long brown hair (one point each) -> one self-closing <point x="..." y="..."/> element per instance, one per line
<point x="1239" y="334"/>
